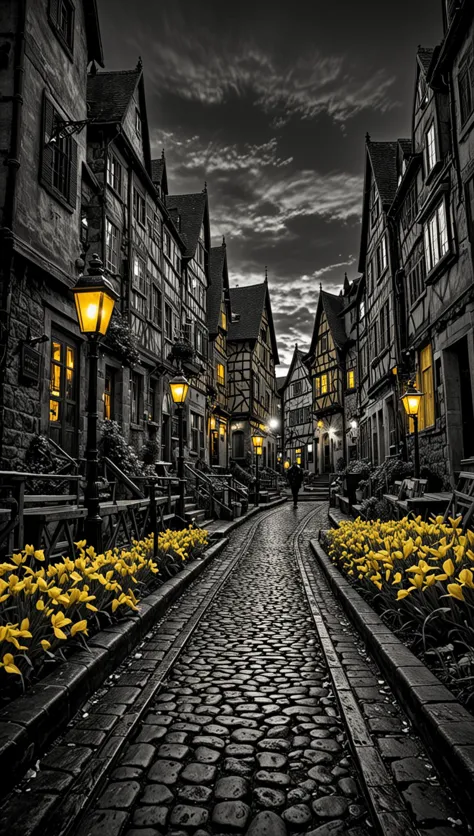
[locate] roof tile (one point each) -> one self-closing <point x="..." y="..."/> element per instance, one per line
<point x="109" y="94"/>
<point x="191" y="209"/>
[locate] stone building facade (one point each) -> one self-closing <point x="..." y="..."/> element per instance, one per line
<point x="43" y="108"/>
<point x="298" y="443"/>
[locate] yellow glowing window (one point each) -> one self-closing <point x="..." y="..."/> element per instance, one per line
<point x="351" y="379"/>
<point x="220" y="373"/>
<point x="425" y="382"/>
<point x="224" y="321"/>
<point x="54" y="411"/>
<point x="324" y="384"/>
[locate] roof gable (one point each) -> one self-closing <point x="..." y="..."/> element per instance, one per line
<point x="248" y="304"/>
<point x="158" y="173"/>
<point x="297" y="359"/>
<point x="109" y="94"/>
<point x="333" y="307"/>
<point x="380" y="166"/>
<point x="193" y="210"/>
<point x="218" y="287"/>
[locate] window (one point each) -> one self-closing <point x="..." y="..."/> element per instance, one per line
<point x="166" y="243"/>
<point x="61" y="14"/>
<point x="374" y="203"/>
<point x="321" y="385"/>
<point x="168" y="322"/>
<point x="112" y="236"/>
<point x="323" y="344"/>
<point x="267" y="401"/>
<point x="297" y="388"/>
<point x="373" y="339"/>
<point x="223" y="321"/>
<point x="382" y="257"/>
<point x="384" y="326"/>
<point x="200" y="254"/>
<point x="415" y="273"/>
<point x="436" y="237"/>
<point x="350" y="379"/>
<point x="135" y="399"/>
<point x="63" y="394"/>
<point x="139" y="209"/>
<point x="238" y="445"/>
<point x="466" y="87"/>
<point x="157" y="301"/>
<point x="220" y="373"/>
<point x="362" y="312"/>
<point x="422" y="92"/>
<point x="424" y="381"/>
<point x="152" y="401"/>
<point x="139" y="274"/>
<point x="370" y="278"/>
<point x="430" y="149"/>
<point x="410" y="207"/>
<point x="58" y="171"/>
<point x="138" y="122"/>
<point x="470" y="208"/>
<point x="114" y="173"/>
<point x="108" y="396"/>
<point x="197" y="433"/>
<point x="84" y="227"/>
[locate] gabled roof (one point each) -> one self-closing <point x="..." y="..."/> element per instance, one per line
<point x="219" y="285"/>
<point x="193" y="211"/>
<point x="248" y="304"/>
<point x="109" y="94"/>
<point x="333" y="307"/>
<point x="94" y="40"/>
<point x="424" y="56"/>
<point x="158" y="173"/>
<point x="298" y="354"/>
<point x="381" y="165"/>
<point x="406" y="147"/>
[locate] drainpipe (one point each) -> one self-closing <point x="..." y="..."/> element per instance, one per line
<point x="6" y="233"/>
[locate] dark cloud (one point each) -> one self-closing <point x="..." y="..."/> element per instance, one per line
<point x="269" y="103"/>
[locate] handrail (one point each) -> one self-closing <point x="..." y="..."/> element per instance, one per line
<point x="63" y="453"/>
<point x="123" y="478"/>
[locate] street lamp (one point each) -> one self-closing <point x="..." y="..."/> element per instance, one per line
<point x="95" y="299"/>
<point x="257" y="441"/>
<point x="411" y="400"/>
<point x="179" y="388"/>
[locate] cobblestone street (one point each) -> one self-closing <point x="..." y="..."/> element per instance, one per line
<point x="225" y="720"/>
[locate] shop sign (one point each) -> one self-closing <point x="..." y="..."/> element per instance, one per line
<point x="30" y="364"/>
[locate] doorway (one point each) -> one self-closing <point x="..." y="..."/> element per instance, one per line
<point x="326" y="454"/>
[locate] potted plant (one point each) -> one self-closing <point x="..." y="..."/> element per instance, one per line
<point x="354" y="473"/>
<point x="361" y="489"/>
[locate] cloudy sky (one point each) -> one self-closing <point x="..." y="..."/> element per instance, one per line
<point x="269" y="102"/>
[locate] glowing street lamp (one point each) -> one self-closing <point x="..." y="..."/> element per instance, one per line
<point x="257" y="441"/>
<point x="411" y="400"/>
<point x="95" y="298"/>
<point x="179" y="388"/>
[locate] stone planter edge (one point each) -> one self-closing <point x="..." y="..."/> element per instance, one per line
<point x="443" y="724"/>
<point x="34" y="719"/>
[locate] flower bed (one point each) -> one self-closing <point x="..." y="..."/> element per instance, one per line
<point x="420" y="577"/>
<point x="44" y="608"/>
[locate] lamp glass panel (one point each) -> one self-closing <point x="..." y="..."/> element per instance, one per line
<point x="179" y="390"/>
<point x="106" y="312"/>
<point x="257" y="440"/>
<point x="258" y="451"/>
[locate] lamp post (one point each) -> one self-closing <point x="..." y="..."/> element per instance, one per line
<point x="411" y="400"/>
<point x="179" y="388"/>
<point x="95" y="299"/>
<point x="257" y="441"/>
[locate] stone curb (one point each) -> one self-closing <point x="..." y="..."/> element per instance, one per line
<point x="32" y="721"/>
<point x="445" y="727"/>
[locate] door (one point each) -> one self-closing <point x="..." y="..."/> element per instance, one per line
<point x="214" y="447"/>
<point x="63" y="415"/>
<point x="326" y="454"/>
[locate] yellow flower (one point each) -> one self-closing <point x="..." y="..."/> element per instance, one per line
<point x="448" y="567"/>
<point x="402" y="593"/>
<point x="455" y="591"/>
<point x="9" y="664"/>
<point x="79" y="627"/>
<point x="58" y="621"/>
<point x="45" y="644"/>
<point x="466" y="578"/>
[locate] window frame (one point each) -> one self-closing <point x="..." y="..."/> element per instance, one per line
<point x="431" y="263"/>
<point x="350" y="379"/>
<point x="112" y="163"/>
<point x="67" y="148"/>
<point x="429" y="168"/>
<point x="425" y="382"/>
<point x="138" y="123"/>
<point x="54" y="14"/>
<point x="139" y="203"/>
<point x="374" y="206"/>
<point x="220" y="375"/>
<point x="109" y="264"/>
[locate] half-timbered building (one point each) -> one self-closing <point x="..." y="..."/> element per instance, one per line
<point x="297" y="411"/>
<point x="218" y="319"/>
<point x="252" y="357"/>
<point x="125" y="222"/>
<point x="326" y="362"/>
<point x="46" y="49"/>
<point x="190" y="213"/>
<point x="379" y="341"/>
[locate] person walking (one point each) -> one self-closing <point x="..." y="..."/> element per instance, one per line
<point x="295" y="480"/>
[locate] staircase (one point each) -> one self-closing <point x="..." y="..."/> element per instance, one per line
<point x="194" y="514"/>
<point x="318" y="489"/>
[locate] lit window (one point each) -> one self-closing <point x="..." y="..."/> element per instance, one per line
<point x="324" y="384"/>
<point x="223" y="321"/>
<point x="424" y="382"/>
<point x="430" y="149"/>
<point x="351" y="379"/>
<point x="220" y="373"/>
<point x="436" y="237"/>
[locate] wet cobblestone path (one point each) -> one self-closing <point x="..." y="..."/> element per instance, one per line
<point x="246" y="720"/>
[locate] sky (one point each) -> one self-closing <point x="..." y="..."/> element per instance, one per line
<point x="270" y="103"/>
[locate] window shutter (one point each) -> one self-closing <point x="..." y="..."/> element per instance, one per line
<point x="46" y="170"/>
<point x="72" y="184"/>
